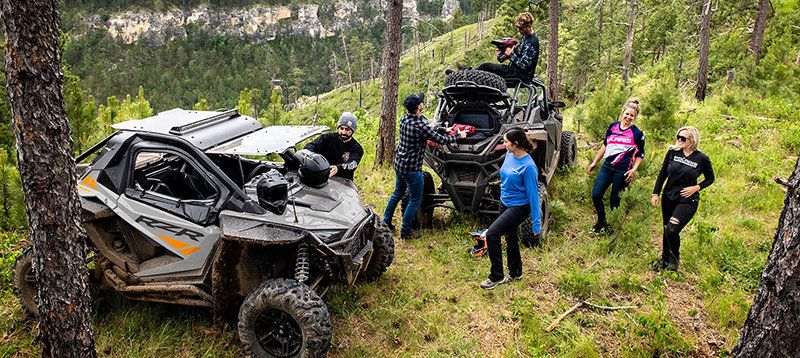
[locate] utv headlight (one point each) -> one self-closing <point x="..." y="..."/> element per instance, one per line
<point x="329" y="236"/>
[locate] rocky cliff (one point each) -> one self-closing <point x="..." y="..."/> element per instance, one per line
<point x="258" y="23"/>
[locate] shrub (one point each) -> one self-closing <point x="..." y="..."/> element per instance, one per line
<point x="659" y="107"/>
<point x="604" y="108"/>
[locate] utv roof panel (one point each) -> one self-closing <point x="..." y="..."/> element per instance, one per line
<point x="275" y="139"/>
<point x="204" y="129"/>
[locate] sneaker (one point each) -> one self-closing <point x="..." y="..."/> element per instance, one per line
<point x="659" y="265"/>
<point x="510" y="278"/>
<point x="410" y="236"/>
<point x="449" y="71"/>
<point x="488" y="284"/>
<point x="462" y="67"/>
<point x="600" y="228"/>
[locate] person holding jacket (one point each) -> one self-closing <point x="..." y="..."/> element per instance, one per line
<point x="414" y="135"/>
<point x="623" y="151"/>
<point x="519" y="197"/>
<point x="683" y="164"/>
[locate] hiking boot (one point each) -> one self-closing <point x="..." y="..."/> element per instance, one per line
<point x="449" y="71"/>
<point x="510" y="278"/>
<point x="600" y="228"/>
<point x="410" y="236"/>
<point x="488" y="284"/>
<point x="462" y="67"/>
<point x="390" y="225"/>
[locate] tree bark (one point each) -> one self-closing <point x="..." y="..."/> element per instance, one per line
<point x="772" y="328"/>
<point x="552" y="54"/>
<point x="758" y="31"/>
<point x="47" y="169"/>
<point x="384" y="153"/>
<point x="702" y="63"/>
<point x="626" y="62"/>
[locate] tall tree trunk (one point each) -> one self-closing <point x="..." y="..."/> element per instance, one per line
<point x="552" y="54"/>
<point x="600" y="32"/>
<point x="758" y="31"/>
<point x="384" y="152"/>
<point x="346" y="57"/>
<point x="626" y="62"/>
<point x="772" y="328"/>
<point x="47" y="169"/>
<point x="702" y="63"/>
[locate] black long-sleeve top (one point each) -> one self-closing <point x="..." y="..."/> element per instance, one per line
<point x="344" y="155"/>
<point x="682" y="171"/>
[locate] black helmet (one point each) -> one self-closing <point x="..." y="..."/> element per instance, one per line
<point x="314" y="168"/>
<point x="273" y="191"/>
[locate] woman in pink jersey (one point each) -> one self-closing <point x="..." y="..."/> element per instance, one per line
<point x="623" y="151"/>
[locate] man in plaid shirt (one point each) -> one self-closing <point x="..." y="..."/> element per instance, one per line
<point x="414" y="135"/>
<point x="523" y="57"/>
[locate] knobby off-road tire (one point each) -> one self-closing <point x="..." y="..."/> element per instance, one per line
<point x="424" y="216"/>
<point x="284" y="318"/>
<point x="569" y="150"/>
<point x="382" y="254"/>
<point x="482" y="78"/>
<point x="25" y="282"/>
<point x="525" y="231"/>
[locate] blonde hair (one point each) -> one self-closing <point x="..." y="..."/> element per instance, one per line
<point x="633" y="104"/>
<point x="694" y="136"/>
<point x="525" y="18"/>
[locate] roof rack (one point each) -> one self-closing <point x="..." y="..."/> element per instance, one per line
<point x="180" y="130"/>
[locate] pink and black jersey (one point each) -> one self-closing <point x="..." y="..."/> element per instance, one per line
<point x="622" y="146"/>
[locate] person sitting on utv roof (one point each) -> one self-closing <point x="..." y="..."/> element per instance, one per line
<point x="414" y="135"/>
<point x="523" y="57"/>
<point x="341" y="150"/>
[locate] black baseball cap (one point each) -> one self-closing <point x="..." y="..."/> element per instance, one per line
<point x="413" y="100"/>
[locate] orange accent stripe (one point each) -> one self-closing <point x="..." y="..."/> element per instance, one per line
<point x="175" y="243"/>
<point x="90" y="182"/>
<point x="190" y="250"/>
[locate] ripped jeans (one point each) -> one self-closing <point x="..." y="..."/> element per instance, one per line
<point x="675" y="215"/>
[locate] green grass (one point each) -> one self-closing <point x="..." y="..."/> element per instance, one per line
<point x="428" y="303"/>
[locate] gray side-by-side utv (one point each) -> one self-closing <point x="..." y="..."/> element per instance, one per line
<point x="177" y="211"/>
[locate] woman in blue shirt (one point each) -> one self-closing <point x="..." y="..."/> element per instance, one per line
<point x="519" y="196"/>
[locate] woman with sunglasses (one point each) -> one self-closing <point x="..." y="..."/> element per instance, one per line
<point x="682" y="166"/>
<point x="623" y="150"/>
<point x="519" y="197"/>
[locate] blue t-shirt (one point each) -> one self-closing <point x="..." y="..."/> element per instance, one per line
<point x="519" y="185"/>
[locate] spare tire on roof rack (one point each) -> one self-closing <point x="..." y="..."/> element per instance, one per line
<point x="481" y="78"/>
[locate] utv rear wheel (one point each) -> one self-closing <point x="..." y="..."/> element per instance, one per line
<point x="284" y="318"/>
<point x="525" y="231"/>
<point x="382" y="254"/>
<point x="479" y="77"/>
<point x="424" y="216"/>
<point x="569" y="150"/>
<point x="25" y="282"/>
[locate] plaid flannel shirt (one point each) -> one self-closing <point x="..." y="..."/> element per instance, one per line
<point x="414" y="135"/>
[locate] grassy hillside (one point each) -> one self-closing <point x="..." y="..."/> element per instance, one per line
<point x="428" y="304"/>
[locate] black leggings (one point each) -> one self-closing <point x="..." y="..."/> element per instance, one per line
<point x="506" y="224"/>
<point x="675" y="216"/>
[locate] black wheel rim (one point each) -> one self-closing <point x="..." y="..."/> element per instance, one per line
<point x="278" y="333"/>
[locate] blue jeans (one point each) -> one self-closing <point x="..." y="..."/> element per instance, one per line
<point x="608" y="175"/>
<point x="415" y="184"/>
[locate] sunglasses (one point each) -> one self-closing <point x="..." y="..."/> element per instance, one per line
<point x="681" y="138"/>
<point x="521" y="27"/>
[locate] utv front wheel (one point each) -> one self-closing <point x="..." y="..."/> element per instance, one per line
<point x="525" y="231"/>
<point x="382" y="254"/>
<point x="284" y="318"/>
<point x="25" y="282"/>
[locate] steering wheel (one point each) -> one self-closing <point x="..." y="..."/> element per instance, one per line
<point x="261" y="168"/>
